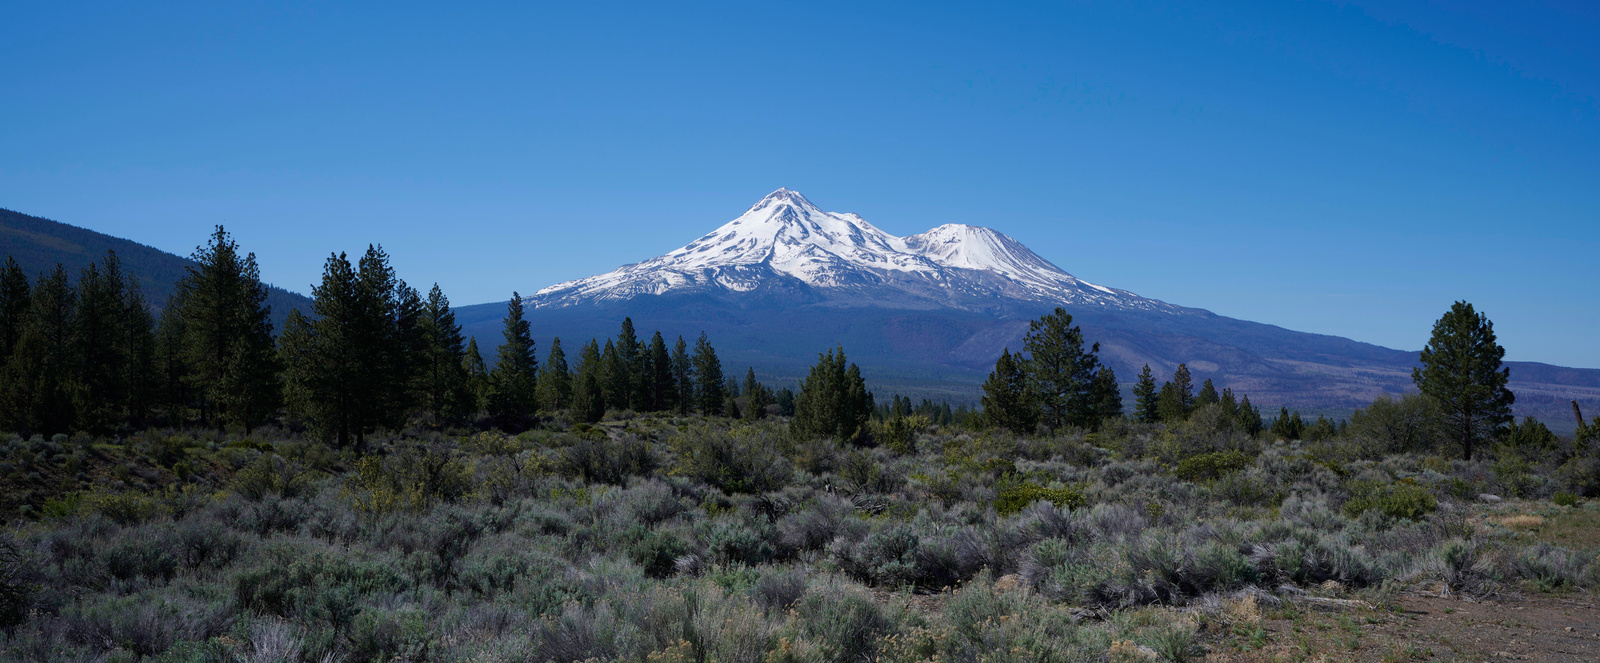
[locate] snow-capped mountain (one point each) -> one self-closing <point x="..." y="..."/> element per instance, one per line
<point x="786" y="241"/>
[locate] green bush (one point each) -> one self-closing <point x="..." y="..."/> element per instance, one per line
<point x="742" y="460"/>
<point x="1564" y="498"/>
<point x="1398" y="500"/>
<point x="1215" y="465"/>
<point x="1013" y="499"/>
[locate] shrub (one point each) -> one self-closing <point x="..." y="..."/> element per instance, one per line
<point x="603" y="460"/>
<point x="383" y="635"/>
<point x="845" y="624"/>
<point x="203" y="543"/>
<point x="657" y="551"/>
<point x="412" y="478"/>
<point x="777" y="590"/>
<point x="1564" y="498"/>
<point x="1209" y="466"/>
<point x="271" y="475"/>
<point x="1013" y="499"/>
<point x="743" y="460"/>
<point x="1398" y="500"/>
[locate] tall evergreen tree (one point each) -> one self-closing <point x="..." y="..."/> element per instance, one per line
<point x="1462" y="371"/>
<point x="447" y="395"/>
<point x="613" y="377"/>
<point x="98" y="355"/>
<point x="513" y="383"/>
<point x="1061" y="370"/>
<point x="708" y="386"/>
<point x="757" y="397"/>
<point x="228" y="343"/>
<point x="1146" y="401"/>
<point x="683" y="377"/>
<point x="634" y="358"/>
<point x="14" y="298"/>
<point x="331" y="359"/>
<point x="137" y="338"/>
<point x="1006" y="401"/>
<point x="555" y="380"/>
<point x="1169" y="403"/>
<point x="1249" y="417"/>
<point x="833" y="401"/>
<point x="477" y="376"/>
<point x="663" y="386"/>
<point x="1207" y="396"/>
<point x="406" y="356"/>
<point x="171" y="391"/>
<point x="1184" y="386"/>
<point x="1107" y="396"/>
<point x="38" y="381"/>
<point x="588" y="399"/>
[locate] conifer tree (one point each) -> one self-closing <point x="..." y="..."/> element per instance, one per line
<point x="477" y="376"/>
<point x="588" y="401"/>
<point x="757" y="397"/>
<point x="14" y="298"/>
<point x="683" y="377"/>
<point x="833" y="401"/>
<point x="98" y="354"/>
<point x="1006" y="401"/>
<point x="331" y="360"/>
<point x="447" y="394"/>
<point x="708" y="385"/>
<point x="663" y="386"/>
<point x="1170" y="403"/>
<point x="632" y="355"/>
<point x="1462" y="371"/>
<point x="1288" y="426"/>
<point x="1061" y="370"/>
<point x="513" y="383"/>
<point x="1207" y="396"/>
<point x="555" y="380"/>
<point x="1107" y="396"/>
<point x="137" y="338"/>
<point x="1249" y="417"/>
<point x="171" y="390"/>
<point x="38" y="387"/>
<point x="1230" y="405"/>
<point x="613" y="377"/>
<point x="406" y="356"/>
<point x="1146" y="400"/>
<point x="1184" y="386"/>
<point x="228" y="343"/>
<point x="785" y="401"/>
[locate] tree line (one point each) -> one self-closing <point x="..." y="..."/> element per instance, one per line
<point x="372" y="353"/>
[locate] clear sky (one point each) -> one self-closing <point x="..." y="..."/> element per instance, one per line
<point x="1344" y="168"/>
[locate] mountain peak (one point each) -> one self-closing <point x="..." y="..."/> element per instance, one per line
<point x="785" y="238"/>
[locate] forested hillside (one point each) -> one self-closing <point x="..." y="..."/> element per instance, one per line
<point x="39" y="244"/>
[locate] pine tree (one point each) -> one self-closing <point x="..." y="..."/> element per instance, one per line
<point x="477" y="376"/>
<point x="1107" y="396"/>
<point x="757" y="396"/>
<point x="1061" y="371"/>
<point x="447" y="396"/>
<point x="1288" y="426"/>
<point x="228" y="341"/>
<point x="1184" y="386"/>
<point x="588" y="401"/>
<point x="330" y="360"/>
<point x="171" y="391"/>
<point x="663" y="386"/>
<point x="513" y="383"/>
<point x="1462" y="371"/>
<point x="138" y="341"/>
<point x="1230" y="405"/>
<point x="708" y="386"/>
<point x="683" y="377"/>
<point x="833" y="401"/>
<point x="555" y="381"/>
<point x="1146" y="401"/>
<point x="98" y="356"/>
<point x="1169" y="404"/>
<point x="406" y="357"/>
<point x="1249" y="417"/>
<point x="785" y="401"/>
<point x="1006" y="401"/>
<point x="37" y="384"/>
<point x="14" y="298"/>
<point x="1207" y="396"/>
<point x="613" y="377"/>
<point x="634" y="357"/>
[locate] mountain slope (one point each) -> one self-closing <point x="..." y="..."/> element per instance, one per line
<point x="928" y="313"/>
<point x="39" y="244"/>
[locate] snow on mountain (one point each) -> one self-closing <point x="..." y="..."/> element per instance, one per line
<point x="842" y="256"/>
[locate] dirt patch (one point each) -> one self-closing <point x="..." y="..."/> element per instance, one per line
<point x="1420" y="628"/>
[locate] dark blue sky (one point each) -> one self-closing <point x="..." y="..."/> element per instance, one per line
<point x="1344" y="168"/>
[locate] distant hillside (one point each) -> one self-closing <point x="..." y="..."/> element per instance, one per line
<point x="39" y="244"/>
